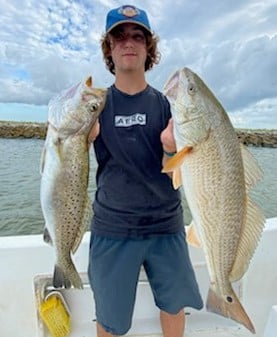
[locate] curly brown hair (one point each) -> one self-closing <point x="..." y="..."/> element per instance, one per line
<point x="153" y="55"/>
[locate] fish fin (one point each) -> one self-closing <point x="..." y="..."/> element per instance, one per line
<point x="177" y="179"/>
<point x="249" y="238"/>
<point x="192" y="236"/>
<point x="84" y="225"/>
<point x="67" y="277"/>
<point x="177" y="160"/>
<point x="89" y="81"/>
<point x="229" y="307"/>
<point x="42" y="160"/>
<point x="59" y="278"/>
<point x="47" y="237"/>
<point x="254" y="219"/>
<point x="252" y="171"/>
<point x="77" y="241"/>
<point x="59" y="148"/>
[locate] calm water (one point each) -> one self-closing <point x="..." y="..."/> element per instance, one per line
<point x="20" y="211"/>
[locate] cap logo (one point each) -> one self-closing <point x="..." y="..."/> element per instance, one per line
<point x="128" y="11"/>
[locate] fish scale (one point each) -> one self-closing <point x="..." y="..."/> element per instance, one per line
<point x="209" y="210"/>
<point x="64" y="197"/>
<point x="217" y="173"/>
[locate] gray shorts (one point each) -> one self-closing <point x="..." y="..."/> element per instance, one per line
<point x="114" y="271"/>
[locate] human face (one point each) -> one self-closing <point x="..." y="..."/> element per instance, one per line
<point x="128" y="48"/>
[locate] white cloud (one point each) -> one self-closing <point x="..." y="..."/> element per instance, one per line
<point x="259" y="115"/>
<point x="48" y="45"/>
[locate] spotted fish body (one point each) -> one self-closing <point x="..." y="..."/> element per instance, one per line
<point x="217" y="174"/>
<point x="64" y="198"/>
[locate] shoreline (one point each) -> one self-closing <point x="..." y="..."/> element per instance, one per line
<point x="11" y="129"/>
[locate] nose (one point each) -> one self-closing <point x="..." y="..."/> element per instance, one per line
<point x="128" y="43"/>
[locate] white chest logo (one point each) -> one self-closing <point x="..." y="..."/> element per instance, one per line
<point x="125" y="121"/>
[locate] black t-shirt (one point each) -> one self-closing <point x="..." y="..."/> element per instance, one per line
<point x="133" y="197"/>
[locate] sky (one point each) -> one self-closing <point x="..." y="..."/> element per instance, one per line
<point x="48" y="45"/>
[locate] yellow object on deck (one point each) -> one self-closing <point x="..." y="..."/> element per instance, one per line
<point x="55" y="314"/>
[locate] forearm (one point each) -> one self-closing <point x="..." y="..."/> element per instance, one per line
<point x="168" y="143"/>
<point x="167" y="155"/>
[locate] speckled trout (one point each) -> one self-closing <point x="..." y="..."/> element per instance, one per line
<point x="217" y="173"/>
<point x="64" y="198"/>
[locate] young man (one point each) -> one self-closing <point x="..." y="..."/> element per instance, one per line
<point x="138" y="218"/>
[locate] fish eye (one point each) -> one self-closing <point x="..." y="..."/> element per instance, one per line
<point x="191" y="89"/>
<point x="93" y="107"/>
<point x="229" y="299"/>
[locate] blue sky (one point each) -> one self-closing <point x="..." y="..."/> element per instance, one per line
<point x="49" y="45"/>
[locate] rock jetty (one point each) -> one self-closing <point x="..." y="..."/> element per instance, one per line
<point x="22" y="130"/>
<point x="264" y="138"/>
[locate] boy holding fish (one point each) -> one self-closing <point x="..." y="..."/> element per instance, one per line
<point x="138" y="217"/>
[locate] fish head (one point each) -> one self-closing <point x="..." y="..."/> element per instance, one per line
<point x="76" y="109"/>
<point x="193" y="106"/>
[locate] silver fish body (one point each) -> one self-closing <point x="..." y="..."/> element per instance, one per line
<point x="217" y="174"/>
<point x="64" y="198"/>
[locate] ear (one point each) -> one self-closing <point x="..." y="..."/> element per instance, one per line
<point x="171" y="87"/>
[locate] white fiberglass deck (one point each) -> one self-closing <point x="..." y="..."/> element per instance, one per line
<point x="26" y="269"/>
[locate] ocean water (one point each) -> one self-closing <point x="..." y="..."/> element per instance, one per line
<point x="20" y="211"/>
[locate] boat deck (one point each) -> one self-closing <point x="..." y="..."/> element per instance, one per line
<point x="27" y="265"/>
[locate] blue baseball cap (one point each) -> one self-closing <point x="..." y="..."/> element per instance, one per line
<point x="127" y="14"/>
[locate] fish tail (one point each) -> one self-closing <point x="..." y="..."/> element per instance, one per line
<point x="59" y="279"/>
<point x="229" y="307"/>
<point x="67" y="277"/>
